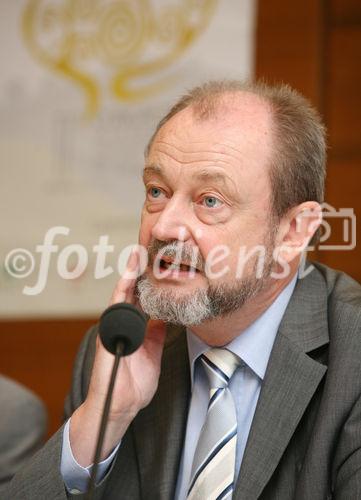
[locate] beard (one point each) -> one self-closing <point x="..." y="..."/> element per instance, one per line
<point x="214" y="301"/>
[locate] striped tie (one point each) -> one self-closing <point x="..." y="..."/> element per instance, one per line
<point x="213" y="466"/>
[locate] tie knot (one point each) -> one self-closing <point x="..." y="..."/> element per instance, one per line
<point x="219" y="364"/>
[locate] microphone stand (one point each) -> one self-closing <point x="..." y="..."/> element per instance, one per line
<point x="103" y="424"/>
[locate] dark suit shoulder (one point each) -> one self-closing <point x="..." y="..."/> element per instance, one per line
<point x="81" y="372"/>
<point x="340" y="286"/>
<point x="344" y="327"/>
<point x="344" y="310"/>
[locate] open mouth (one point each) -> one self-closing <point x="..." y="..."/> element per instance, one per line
<point x="169" y="264"/>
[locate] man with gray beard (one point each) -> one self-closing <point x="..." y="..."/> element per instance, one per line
<point x="204" y="304"/>
<point x="248" y="383"/>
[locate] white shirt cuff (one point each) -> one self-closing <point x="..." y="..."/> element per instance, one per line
<point x="74" y="475"/>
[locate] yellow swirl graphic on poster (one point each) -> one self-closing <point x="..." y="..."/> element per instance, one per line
<point x="120" y="44"/>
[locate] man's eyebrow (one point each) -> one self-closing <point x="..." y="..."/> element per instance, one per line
<point x="152" y="169"/>
<point x="206" y="175"/>
<point x="210" y="176"/>
<point x="202" y="175"/>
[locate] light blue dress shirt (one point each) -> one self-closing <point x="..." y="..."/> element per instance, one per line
<point x="253" y="346"/>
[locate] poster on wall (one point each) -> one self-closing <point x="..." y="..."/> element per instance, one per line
<point x="82" y="85"/>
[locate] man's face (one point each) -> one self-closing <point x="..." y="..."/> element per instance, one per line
<point x="208" y="193"/>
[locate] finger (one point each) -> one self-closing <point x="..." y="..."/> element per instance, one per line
<point x="101" y="351"/>
<point x="124" y="290"/>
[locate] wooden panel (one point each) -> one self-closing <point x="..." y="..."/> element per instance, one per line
<point x="316" y="47"/>
<point x="343" y="92"/>
<point x="289" y="41"/>
<point x="40" y="354"/>
<point x="343" y="188"/>
<point x="345" y="11"/>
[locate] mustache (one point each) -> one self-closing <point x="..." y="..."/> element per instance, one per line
<point x="176" y="250"/>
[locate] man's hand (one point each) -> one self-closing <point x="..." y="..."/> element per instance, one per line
<point x="135" y="385"/>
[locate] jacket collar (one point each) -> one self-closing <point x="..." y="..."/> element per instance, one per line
<point x="291" y="380"/>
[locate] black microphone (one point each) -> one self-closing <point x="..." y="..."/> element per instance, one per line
<point x="122" y="322"/>
<point x="121" y="330"/>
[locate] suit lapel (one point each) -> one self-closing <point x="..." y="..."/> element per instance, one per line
<point x="291" y="379"/>
<point x="159" y="429"/>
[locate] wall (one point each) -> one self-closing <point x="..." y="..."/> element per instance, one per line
<point x="316" y="47"/>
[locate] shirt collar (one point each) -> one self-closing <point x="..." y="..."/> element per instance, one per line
<point x="254" y="344"/>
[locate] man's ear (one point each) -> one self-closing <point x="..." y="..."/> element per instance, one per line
<point x="296" y="229"/>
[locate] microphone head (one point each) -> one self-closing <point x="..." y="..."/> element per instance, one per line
<point x="122" y="322"/>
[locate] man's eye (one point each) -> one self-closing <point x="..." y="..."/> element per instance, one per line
<point x="211" y="202"/>
<point x="155" y="192"/>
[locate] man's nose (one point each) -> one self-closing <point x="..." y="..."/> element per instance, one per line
<point x="173" y="222"/>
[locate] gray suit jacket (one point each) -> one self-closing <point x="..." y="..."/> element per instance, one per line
<point x="305" y="439"/>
